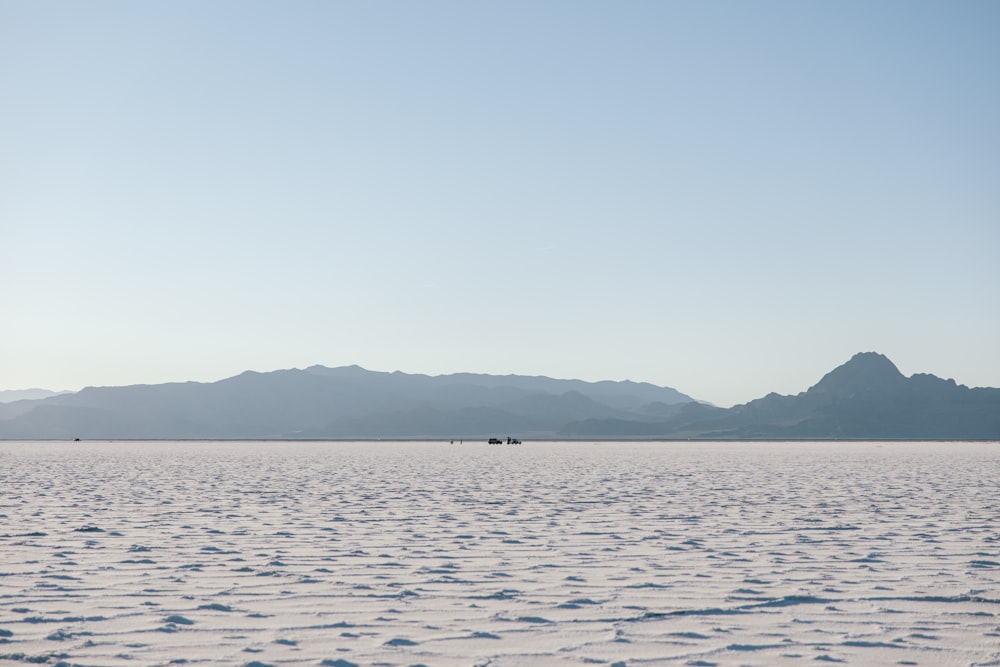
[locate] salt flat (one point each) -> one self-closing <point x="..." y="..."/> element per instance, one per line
<point x="265" y="553"/>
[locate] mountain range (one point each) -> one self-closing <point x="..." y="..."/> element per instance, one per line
<point x="865" y="398"/>
<point x="320" y="402"/>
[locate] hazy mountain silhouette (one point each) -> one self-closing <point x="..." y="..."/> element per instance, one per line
<point x="11" y="395"/>
<point x="867" y="397"/>
<point x="320" y="402"/>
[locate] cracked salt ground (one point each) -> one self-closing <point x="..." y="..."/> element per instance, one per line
<point x="340" y="554"/>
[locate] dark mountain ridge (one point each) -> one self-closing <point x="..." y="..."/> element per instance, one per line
<point x="865" y="398"/>
<point x="320" y="402"/>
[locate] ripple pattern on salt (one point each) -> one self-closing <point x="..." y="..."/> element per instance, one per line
<point x="230" y="553"/>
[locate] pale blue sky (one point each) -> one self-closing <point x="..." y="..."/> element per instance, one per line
<point x="729" y="198"/>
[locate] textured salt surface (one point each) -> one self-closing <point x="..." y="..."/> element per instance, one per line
<point x="541" y="554"/>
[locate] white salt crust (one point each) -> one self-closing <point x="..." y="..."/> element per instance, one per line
<point x="278" y="553"/>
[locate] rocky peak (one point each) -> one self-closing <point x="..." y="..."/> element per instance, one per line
<point x="866" y="373"/>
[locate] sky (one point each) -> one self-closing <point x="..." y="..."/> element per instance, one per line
<point x="727" y="198"/>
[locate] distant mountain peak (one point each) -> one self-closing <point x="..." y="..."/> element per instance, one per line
<point x="870" y="357"/>
<point x="341" y="371"/>
<point x="864" y="373"/>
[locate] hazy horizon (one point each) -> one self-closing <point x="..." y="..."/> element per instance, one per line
<point x="728" y="199"/>
<point x="697" y="398"/>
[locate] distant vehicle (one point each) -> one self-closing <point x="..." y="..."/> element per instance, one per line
<point x="499" y="441"/>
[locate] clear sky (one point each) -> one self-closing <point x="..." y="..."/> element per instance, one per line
<point x="728" y="198"/>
